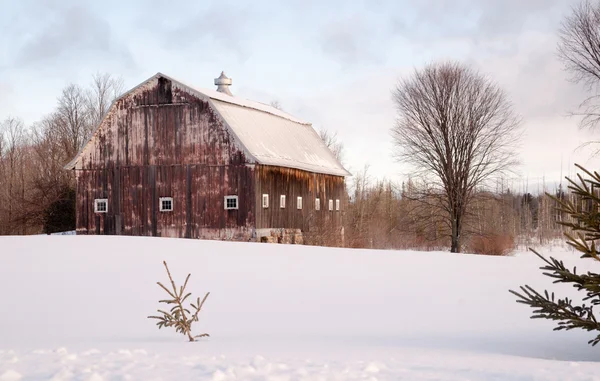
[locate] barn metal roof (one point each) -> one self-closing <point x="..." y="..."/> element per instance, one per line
<point x="274" y="140"/>
<point x="268" y="135"/>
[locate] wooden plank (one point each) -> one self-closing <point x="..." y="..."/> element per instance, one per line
<point x="152" y="201"/>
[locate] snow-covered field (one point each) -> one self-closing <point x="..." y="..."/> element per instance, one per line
<point x="74" y="308"/>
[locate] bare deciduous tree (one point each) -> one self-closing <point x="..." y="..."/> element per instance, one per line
<point x="333" y="142"/>
<point x="579" y="49"/>
<point x="276" y="104"/>
<point x="2" y="152"/>
<point x="73" y="119"/>
<point x="103" y="90"/>
<point x="456" y="129"/>
<point x="50" y="181"/>
<point x="13" y="131"/>
<point x="33" y="184"/>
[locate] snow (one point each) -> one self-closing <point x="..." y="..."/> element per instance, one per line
<point x="277" y="141"/>
<point x="75" y="307"/>
<point x="243" y="102"/>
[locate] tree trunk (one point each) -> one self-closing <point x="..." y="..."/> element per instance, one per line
<point x="456" y="228"/>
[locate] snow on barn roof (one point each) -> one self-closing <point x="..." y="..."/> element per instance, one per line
<point x="273" y="140"/>
<point x="268" y="135"/>
<point x="271" y="136"/>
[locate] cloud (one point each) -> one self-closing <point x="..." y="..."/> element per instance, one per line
<point x="488" y="18"/>
<point x="362" y="112"/>
<point x="57" y="32"/>
<point x="513" y="42"/>
<point x="6" y="95"/>
<point x="348" y="40"/>
<point x="220" y="27"/>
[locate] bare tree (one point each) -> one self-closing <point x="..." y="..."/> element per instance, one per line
<point x="457" y="130"/>
<point x="103" y="90"/>
<point x="358" y="217"/>
<point x="579" y="49"/>
<point x="2" y="152"/>
<point x="35" y="191"/>
<point x="333" y="142"/>
<point x="13" y="131"/>
<point x="73" y="119"/>
<point x="49" y="179"/>
<point x="276" y="104"/>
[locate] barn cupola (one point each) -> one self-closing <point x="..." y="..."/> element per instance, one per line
<point x="223" y="84"/>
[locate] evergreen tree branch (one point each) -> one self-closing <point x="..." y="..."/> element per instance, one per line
<point x="585" y="221"/>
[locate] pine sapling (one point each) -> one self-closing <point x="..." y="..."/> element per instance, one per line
<point x="179" y="317"/>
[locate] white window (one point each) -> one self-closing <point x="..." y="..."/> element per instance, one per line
<point x="318" y="204"/>
<point x="337" y="204"/>
<point x="265" y="200"/>
<point x="299" y="203"/>
<point x="282" y="201"/>
<point x="165" y="204"/>
<point x="101" y="205"/>
<point x="330" y="204"/>
<point x="231" y="202"/>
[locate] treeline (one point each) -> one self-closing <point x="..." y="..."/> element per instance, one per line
<point x="36" y="194"/>
<point x="385" y="215"/>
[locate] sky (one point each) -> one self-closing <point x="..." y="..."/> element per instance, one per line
<point x="332" y="63"/>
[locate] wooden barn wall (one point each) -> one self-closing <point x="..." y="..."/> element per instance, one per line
<point x="198" y="195"/>
<point x="277" y="181"/>
<point x="157" y="125"/>
<point x="161" y="141"/>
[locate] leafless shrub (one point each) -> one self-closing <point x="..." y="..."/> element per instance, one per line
<point x="494" y="244"/>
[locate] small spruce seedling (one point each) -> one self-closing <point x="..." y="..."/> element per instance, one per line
<point x="179" y="317"/>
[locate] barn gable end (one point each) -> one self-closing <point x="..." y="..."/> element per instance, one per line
<point x="158" y="123"/>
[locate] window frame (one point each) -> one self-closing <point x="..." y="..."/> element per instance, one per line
<point x="317" y="203"/>
<point x="231" y="197"/>
<point x="330" y="205"/>
<point x="299" y="202"/>
<point x="337" y="205"/>
<point x="165" y="199"/>
<point x="99" y="201"/>
<point x="282" y="201"/>
<point x="265" y="200"/>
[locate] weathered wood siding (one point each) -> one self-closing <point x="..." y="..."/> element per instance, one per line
<point x="160" y="141"/>
<point x="198" y="194"/>
<point x="293" y="183"/>
<point x="145" y="129"/>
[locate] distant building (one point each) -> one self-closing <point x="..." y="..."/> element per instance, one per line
<point x="173" y="161"/>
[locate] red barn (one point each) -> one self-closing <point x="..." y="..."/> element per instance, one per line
<point x="175" y="161"/>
